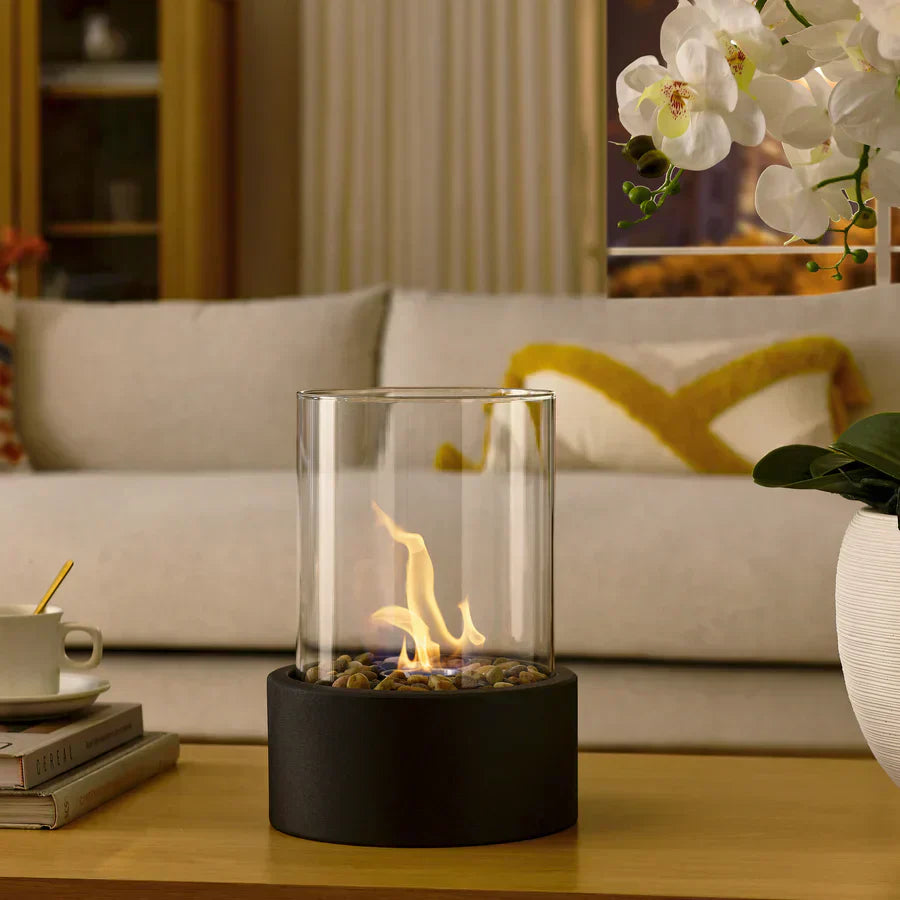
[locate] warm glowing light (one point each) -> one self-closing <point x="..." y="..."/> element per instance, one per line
<point x="422" y="619"/>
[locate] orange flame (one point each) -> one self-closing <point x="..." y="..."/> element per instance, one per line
<point x="422" y="619"/>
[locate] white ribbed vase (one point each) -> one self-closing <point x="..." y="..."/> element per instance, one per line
<point x="867" y="597"/>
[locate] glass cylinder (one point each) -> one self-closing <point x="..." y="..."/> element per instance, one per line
<point x="425" y="537"/>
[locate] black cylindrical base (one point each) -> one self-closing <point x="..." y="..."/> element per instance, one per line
<point x="411" y="769"/>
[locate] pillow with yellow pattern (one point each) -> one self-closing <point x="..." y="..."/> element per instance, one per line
<point x="711" y="406"/>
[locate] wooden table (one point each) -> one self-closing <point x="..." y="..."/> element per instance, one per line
<point x="651" y="826"/>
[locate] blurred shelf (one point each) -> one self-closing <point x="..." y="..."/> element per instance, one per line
<point x="125" y="79"/>
<point x="101" y="229"/>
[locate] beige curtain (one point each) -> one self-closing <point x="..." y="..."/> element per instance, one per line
<point x="451" y="144"/>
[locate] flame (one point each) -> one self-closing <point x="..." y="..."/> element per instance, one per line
<point x="422" y="619"/>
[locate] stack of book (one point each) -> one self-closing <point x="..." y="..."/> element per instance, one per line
<point x="54" y="771"/>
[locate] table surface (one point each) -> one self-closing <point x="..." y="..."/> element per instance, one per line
<point x="651" y="826"/>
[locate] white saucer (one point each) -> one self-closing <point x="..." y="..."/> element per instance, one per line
<point x="76" y="691"/>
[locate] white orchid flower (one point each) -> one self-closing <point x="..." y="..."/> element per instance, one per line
<point x="828" y="42"/>
<point x="795" y="112"/>
<point x="738" y="30"/>
<point x="866" y="103"/>
<point x="819" y="11"/>
<point x="821" y="76"/>
<point x="883" y="14"/>
<point x="867" y="107"/>
<point x="884" y="177"/>
<point x="788" y="200"/>
<point x="693" y="108"/>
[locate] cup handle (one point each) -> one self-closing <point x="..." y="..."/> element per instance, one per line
<point x="66" y="661"/>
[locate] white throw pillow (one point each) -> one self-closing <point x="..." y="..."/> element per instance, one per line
<point x="704" y="406"/>
<point x="184" y="385"/>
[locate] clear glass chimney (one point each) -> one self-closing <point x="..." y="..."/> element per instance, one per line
<point x="426" y="538"/>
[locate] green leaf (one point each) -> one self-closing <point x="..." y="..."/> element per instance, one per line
<point x="874" y="441"/>
<point x="831" y="461"/>
<point x="791" y="467"/>
<point x="787" y="466"/>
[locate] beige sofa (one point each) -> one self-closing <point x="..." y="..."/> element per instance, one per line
<point x="697" y="610"/>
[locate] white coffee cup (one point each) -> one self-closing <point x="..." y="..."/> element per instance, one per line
<point x="33" y="650"/>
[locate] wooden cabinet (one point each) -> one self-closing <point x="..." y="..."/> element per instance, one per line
<point x="121" y="153"/>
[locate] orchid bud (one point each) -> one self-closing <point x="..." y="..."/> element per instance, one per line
<point x="653" y="164"/>
<point x="639" y="195"/>
<point x="866" y="218"/>
<point x="637" y="147"/>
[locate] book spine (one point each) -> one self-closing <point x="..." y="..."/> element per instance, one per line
<point x="84" y="794"/>
<point x="67" y="753"/>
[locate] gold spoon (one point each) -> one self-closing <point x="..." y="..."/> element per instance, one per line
<point x="56" y="583"/>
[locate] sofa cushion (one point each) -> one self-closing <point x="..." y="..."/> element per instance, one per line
<point x="622" y="706"/>
<point x="449" y="339"/>
<point x="647" y="566"/>
<point x="184" y="385"/>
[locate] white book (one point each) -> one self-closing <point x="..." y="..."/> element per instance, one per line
<point x="34" y="752"/>
<point x="69" y="796"/>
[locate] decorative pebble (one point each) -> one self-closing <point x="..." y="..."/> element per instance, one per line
<point x="454" y="673"/>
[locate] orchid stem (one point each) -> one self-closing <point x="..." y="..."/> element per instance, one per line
<point x="760" y="5"/>
<point x="836" y="180"/>
<point x="852" y="176"/>
<point x="856" y="177"/>
<point x="797" y="15"/>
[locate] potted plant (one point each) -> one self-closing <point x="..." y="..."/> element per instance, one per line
<point x="863" y="464"/>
